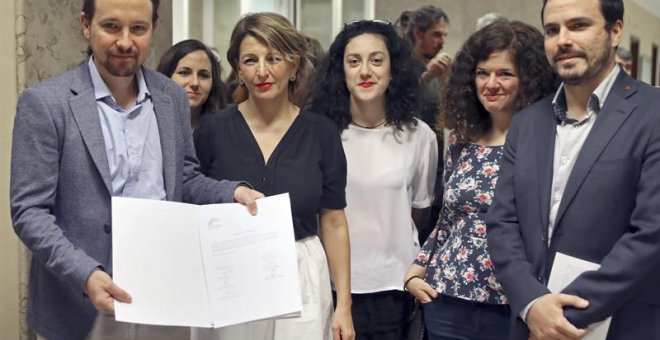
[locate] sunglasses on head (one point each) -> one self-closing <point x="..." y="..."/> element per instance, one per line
<point x="376" y="21"/>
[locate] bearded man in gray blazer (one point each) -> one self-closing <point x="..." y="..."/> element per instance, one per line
<point x="109" y="127"/>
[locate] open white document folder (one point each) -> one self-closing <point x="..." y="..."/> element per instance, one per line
<point x="204" y="266"/>
<point x="565" y="270"/>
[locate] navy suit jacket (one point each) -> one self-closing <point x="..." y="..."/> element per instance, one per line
<point x="609" y="213"/>
<point x="60" y="189"/>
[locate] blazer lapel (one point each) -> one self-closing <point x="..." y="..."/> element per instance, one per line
<point x="85" y="112"/>
<point x="615" y="111"/>
<point x="546" y="130"/>
<point x="166" y="130"/>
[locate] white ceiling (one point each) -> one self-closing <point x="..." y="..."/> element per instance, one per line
<point x="653" y="6"/>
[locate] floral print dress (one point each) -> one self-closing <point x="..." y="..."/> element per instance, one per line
<point x="460" y="266"/>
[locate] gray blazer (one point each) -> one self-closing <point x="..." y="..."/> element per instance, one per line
<point x="60" y="189"/>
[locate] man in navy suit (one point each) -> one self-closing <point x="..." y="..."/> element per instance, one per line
<point x="581" y="176"/>
<point x="109" y="127"/>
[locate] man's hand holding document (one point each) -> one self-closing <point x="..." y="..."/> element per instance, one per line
<point x="565" y="270"/>
<point x="204" y="266"/>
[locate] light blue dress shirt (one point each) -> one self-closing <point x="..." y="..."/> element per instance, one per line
<point x="132" y="141"/>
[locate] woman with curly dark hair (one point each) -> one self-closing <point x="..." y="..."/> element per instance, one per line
<point x="193" y="66"/>
<point x="368" y="86"/>
<point x="500" y="69"/>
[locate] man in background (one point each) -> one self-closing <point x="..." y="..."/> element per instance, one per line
<point x="426" y="28"/>
<point x="624" y="58"/>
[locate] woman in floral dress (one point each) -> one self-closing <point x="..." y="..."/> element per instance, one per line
<point x="500" y="70"/>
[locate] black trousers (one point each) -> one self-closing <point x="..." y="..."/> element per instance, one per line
<point x="382" y="315"/>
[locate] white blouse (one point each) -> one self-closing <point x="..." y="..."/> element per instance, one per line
<point x="389" y="173"/>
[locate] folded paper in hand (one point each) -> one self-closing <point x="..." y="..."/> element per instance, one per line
<point x="565" y="270"/>
<point x="204" y="266"/>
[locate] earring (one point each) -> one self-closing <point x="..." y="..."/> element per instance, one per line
<point x="293" y="78"/>
<point x="241" y="82"/>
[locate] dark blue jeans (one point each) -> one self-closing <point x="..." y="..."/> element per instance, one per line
<point x="457" y="319"/>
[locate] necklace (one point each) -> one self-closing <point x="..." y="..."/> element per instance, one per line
<point x="369" y="127"/>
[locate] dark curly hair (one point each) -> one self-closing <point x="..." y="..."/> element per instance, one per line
<point x="330" y="96"/>
<point x="462" y="111"/>
<point x="217" y="99"/>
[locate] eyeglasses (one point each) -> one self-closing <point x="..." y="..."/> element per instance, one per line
<point x="375" y="21"/>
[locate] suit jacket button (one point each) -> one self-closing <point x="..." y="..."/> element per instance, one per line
<point x="107" y="228"/>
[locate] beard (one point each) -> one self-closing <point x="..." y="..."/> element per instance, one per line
<point x="594" y="64"/>
<point x="121" y="67"/>
<point x="431" y="54"/>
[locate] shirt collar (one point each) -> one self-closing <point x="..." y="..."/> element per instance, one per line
<point x="595" y="103"/>
<point x="101" y="90"/>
